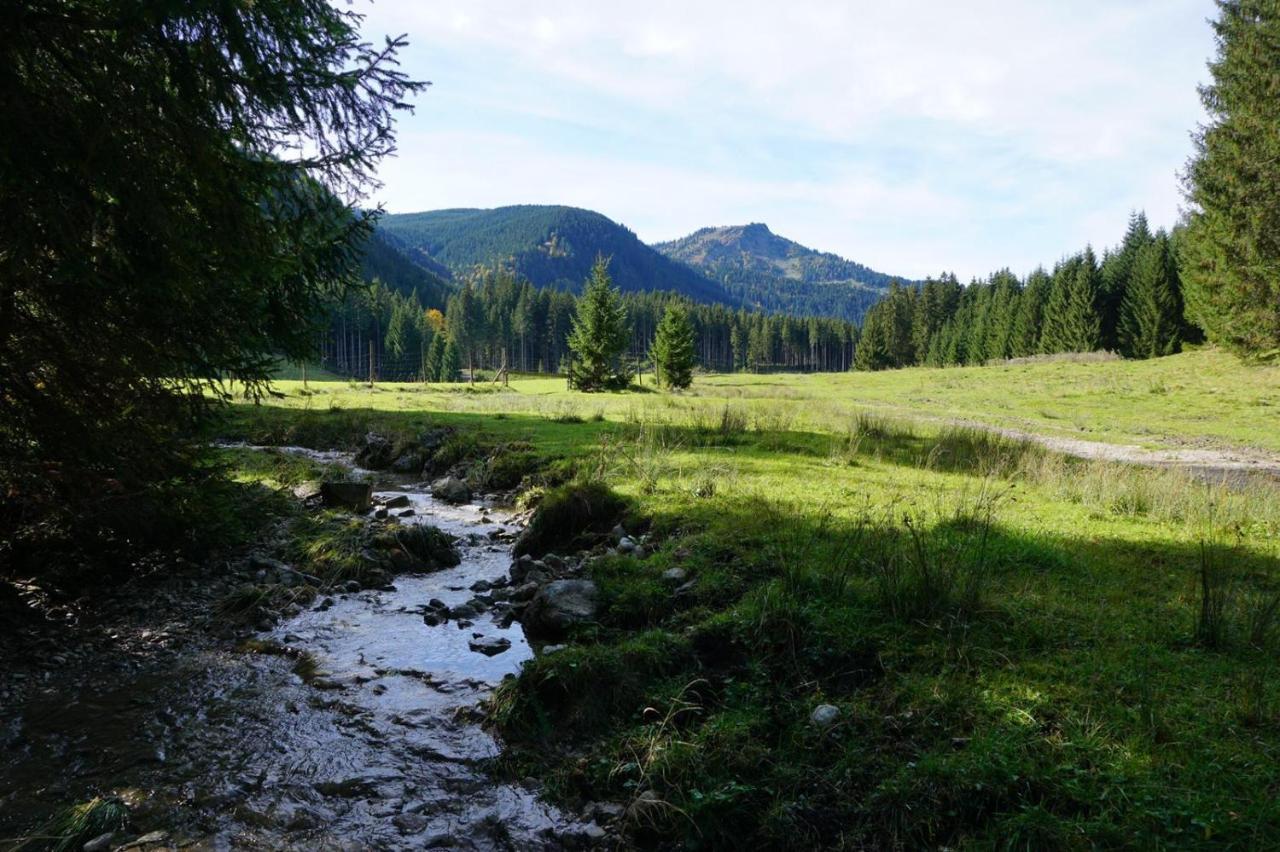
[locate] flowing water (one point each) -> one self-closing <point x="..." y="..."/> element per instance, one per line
<point x="381" y="750"/>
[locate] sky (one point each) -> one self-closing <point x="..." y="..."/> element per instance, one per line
<point x="915" y="138"/>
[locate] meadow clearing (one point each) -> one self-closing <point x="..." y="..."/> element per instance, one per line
<point x="1025" y="650"/>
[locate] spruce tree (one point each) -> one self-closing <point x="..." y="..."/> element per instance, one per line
<point x="1116" y="276"/>
<point x="450" y="362"/>
<point x="1083" y="324"/>
<point x="673" y="348"/>
<point x="600" y="335"/>
<point x="434" y="369"/>
<point x="1071" y="320"/>
<point x="1151" y="321"/>
<point x="174" y="216"/>
<point x="1030" y="315"/>
<point x="1231" y="249"/>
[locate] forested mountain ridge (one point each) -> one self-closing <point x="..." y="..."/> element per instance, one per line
<point x="384" y="260"/>
<point x="780" y="275"/>
<point x="551" y="246"/>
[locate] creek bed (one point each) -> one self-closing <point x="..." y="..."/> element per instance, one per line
<point x="381" y="749"/>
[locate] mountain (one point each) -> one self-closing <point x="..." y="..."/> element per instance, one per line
<point x="762" y="269"/>
<point x="393" y="266"/>
<point x="552" y="246"/>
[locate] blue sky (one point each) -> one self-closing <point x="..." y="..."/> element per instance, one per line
<point x="914" y="138"/>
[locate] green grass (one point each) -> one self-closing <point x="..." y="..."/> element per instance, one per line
<point x="1016" y="641"/>
<point x="1196" y="398"/>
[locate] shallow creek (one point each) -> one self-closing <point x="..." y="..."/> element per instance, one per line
<point x="381" y="750"/>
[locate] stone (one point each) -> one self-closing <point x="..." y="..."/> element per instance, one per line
<point x="675" y="576"/>
<point x="406" y="513"/>
<point x="308" y="490"/>
<point x="100" y="843"/>
<point x="375" y="452"/>
<point x="603" y="812"/>
<point x="409" y="462"/>
<point x="432" y="619"/>
<point x="465" y="610"/>
<point x="551" y="649"/>
<point x="489" y="645"/>
<point x="626" y="545"/>
<point x="450" y="489"/>
<point x="524" y="592"/>
<point x="380" y="513"/>
<point x="481" y="586"/>
<point x="824" y="716"/>
<point x="395" y="501"/>
<point x="559" y="605"/>
<point x="354" y="496"/>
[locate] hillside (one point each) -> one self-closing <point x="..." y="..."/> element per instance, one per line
<point x="763" y="269"/>
<point x="391" y="264"/>
<point x="552" y="246"/>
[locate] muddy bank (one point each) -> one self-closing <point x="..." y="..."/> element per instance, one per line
<point x="374" y="742"/>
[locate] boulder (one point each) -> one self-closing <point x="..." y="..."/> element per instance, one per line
<point x="346" y="495"/>
<point x="560" y="605"/>
<point x="395" y="501"/>
<point x="675" y="576"/>
<point x="450" y="489"/>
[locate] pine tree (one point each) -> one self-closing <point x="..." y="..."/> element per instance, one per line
<point x="1151" y="321"/>
<point x="1083" y="324"/>
<point x="600" y="335"/>
<point x="1030" y="315"/>
<point x="434" y="369"/>
<point x="673" y="348"/>
<point x="450" y="362"/>
<point x="1231" y="250"/>
<point x="1072" y="323"/>
<point x="738" y="347"/>
<point x="1117" y="273"/>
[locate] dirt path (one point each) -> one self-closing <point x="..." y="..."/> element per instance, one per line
<point x="1233" y="465"/>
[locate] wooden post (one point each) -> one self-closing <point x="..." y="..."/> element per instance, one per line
<point x="304" y="375"/>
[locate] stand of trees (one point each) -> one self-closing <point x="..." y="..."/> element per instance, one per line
<point x="496" y="318"/>
<point x="1129" y="302"/>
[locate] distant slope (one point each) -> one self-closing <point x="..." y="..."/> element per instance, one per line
<point x="552" y="246"/>
<point x="763" y="269"/>
<point x="392" y="265"/>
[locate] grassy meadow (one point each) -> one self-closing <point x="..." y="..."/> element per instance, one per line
<point x="1199" y="398"/>
<point x="1026" y="651"/>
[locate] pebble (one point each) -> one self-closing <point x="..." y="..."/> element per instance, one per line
<point x="824" y="716"/>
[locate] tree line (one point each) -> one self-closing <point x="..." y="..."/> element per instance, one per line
<point x="496" y="319"/>
<point x="1129" y="302"/>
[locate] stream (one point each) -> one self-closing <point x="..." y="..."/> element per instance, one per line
<point x="382" y="749"/>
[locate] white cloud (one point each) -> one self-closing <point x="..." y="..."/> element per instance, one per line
<point x="937" y="130"/>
